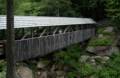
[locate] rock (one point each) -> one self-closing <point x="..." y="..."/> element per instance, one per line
<point x="99" y="50"/>
<point x="108" y="29"/>
<point x="53" y="68"/>
<point x="84" y="58"/>
<point x="52" y="74"/>
<point x="2" y="62"/>
<point x="100" y="36"/>
<point x="1" y="52"/>
<point x="101" y="59"/>
<point x="24" y="72"/>
<point x="92" y="61"/>
<point x="90" y="49"/>
<point x="61" y="77"/>
<point x="40" y="65"/>
<point x="96" y="57"/>
<point x="66" y="68"/>
<point x="114" y="50"/>
<point x="41" y="74"/>
<point x="60" y="73"/>
<point x="102" y="50"/>
<point x="105" y="58"/>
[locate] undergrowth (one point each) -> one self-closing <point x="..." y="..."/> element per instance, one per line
<point x="77" y="69"/>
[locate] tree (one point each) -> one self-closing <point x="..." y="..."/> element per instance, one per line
<point x="90" y="8"/>
<point x="2" y="7"/>
<point x="45" y="8"/>
<point x="113" y="12"/>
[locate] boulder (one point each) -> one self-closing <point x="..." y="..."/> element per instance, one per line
<point x="41" y="65"/>
<point x="61" y="77"/>
<point x="109" y="29"/>
<point x="99" y="50"/>
<point x="41" y="74"/>
<point x="114" y="50"/>
<point x="90" y="49"/>
<point x="101" y="59"/>
<point x="60" y="73"/>
<point x="84" y="58"/>
<point x="1" y="52"/>
<point x="24" y="72"/>
<point x="100" y="36"/>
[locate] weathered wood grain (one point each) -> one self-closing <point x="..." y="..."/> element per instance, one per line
<point x="33" y="47"/>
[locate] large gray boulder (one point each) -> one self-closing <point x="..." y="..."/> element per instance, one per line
<point x="24" y="72"/>
<point x="109" y="29"/>
<point x="99" y="50"/>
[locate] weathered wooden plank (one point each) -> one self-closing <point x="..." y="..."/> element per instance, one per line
<point x="33" y="47"/>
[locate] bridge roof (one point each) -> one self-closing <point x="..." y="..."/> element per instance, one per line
<point x="39" y="21"/>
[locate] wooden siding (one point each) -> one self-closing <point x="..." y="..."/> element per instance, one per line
<point x="33" y="47"/>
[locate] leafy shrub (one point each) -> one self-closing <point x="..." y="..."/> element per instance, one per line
<point x="103" y="32"/>
<point x="101" y="42"/>
<point x="100" y="30"/>
<point x="113" y="12"/>
<point x="107" y="73"/>
<point x="86" y="69"/>
<point x="70" y="57"/>
<point x="71" y="74"/>
<point x="2" y="69"/>
<point x="107" y="33"/>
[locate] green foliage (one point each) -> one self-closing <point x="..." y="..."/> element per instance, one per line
<point x="106" y="41"/>
<point x="2" y="74"/>
<point x="76" y="8"/>
<point x="2" y="7"/>
<point x="68" y="57"/>
<point x="108" y="33"/>
<point x="110" y="69"/>
<point x="102" y="31"/>
<point x="113" y="11"/>
<point x="90" y="8"/>
<point x="108" y="73"/>
<point x="45" y="8"/>
<point x="24" y="9"/>
<point x="71" y="58"/>
<point x="2" y="69"/>
<point x="86" y="69"/>
<point x="71" y="74"/>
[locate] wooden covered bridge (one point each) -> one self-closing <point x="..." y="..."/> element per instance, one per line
<point x="38" y="36"/>
<point x="30" y="36"/>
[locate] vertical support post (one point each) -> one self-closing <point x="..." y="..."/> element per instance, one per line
<point x="10" y="40"/>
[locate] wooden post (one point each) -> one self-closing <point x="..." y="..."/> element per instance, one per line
<point x="10" y="40"/>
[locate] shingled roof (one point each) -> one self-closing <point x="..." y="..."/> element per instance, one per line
<point x="34" y="21"/>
